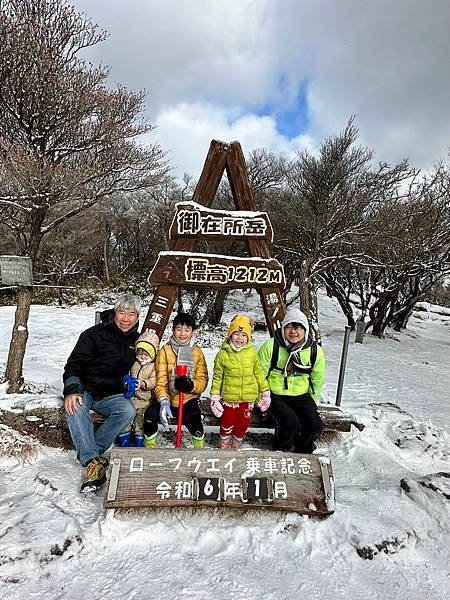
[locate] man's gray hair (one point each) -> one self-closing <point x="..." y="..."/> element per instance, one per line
<point x="128" y="302"/>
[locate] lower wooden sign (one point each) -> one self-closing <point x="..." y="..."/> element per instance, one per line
<point x="205" y="270"/>
<point x="170" y="477"/>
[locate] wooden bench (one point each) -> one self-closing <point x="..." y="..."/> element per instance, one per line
<point x="333" y="417"/>
<point x="49" y="425"/>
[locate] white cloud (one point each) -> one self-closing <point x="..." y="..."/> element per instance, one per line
<point x="210" y="67"/>
<point x="186" y="130"/>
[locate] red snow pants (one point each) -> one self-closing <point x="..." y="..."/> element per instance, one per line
<point x="235" y="420"/>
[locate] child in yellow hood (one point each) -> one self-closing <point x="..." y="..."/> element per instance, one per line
<point x="140" y="385"/>
<point x="238" y="382"/>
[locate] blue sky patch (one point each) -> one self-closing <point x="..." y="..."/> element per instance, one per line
<point x="292" y="120"/>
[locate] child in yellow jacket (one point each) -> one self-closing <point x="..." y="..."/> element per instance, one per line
<point x="238" y="381"/>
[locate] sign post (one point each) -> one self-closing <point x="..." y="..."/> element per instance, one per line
<point x="170" y="477"/>
<point x="195" y="221"/>
<point x="16" y="271"/>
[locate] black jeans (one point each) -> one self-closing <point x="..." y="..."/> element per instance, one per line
<point x="192" y="418"/>
<point x="298" y="423"/>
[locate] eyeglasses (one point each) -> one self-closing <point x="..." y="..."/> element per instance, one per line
<point x="295" y="326"/>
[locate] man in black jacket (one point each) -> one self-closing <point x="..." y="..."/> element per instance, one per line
<point x="93" y="379"/>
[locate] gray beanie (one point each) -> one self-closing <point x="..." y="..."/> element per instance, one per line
<point x="295" y="315"/>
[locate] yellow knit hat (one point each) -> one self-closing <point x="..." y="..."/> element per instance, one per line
<point x="149" y="348"/>
<point x="240" y="323"/>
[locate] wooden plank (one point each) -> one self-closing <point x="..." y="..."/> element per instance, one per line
<point x="212" y="172"/>
<point x="253" y="479"/>
<point x="160" y="309"/>
<point x="194" y="220"/>
<point x="273" y="307"/>
<point x="332" y="416"/>
<point x="204" y="270"/>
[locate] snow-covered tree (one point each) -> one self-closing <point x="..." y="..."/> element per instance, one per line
<point x="67" y="141"/>
<point x="327" y="207"/>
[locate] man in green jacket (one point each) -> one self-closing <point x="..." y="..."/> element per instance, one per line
<point x="295" y="370"/>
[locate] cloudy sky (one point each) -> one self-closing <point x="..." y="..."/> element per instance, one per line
<point x="284" y="74"/>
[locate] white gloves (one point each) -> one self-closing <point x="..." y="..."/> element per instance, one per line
<point x="165" y="412"/>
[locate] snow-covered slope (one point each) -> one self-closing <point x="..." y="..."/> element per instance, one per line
<point x="388" y="538"/>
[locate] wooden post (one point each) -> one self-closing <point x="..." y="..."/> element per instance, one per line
<point x="360" y="331"/>
<point x="14" y="365"/>
<point x="160" y="309"/>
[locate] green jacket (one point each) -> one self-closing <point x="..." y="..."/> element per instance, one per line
<point x="238" y="376"/>
<point x="297" y="383"/>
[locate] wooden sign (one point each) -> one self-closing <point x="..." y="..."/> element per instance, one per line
<point x="194" y="220"/>
<point x="221" y="157"/>
<point x="169" y="477"/>
<point x="194" y="269"/>
<point x="16" y="270"/>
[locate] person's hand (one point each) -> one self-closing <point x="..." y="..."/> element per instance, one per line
<point x="216" y="406"/>
<point x="72" y="403"/>
<point x="165" y="412"/>
<point x="183" y="384"/>
<point x="264" y="401"/>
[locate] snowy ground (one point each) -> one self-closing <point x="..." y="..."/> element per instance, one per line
<point x="388" y="538"/>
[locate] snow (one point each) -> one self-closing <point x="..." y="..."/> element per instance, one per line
<point x="219" y="256"/>
<point x="388" y="537"/>
<point x="251" y="214"/>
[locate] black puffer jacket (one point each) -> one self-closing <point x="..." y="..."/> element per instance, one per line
<point x="100" y="359"/>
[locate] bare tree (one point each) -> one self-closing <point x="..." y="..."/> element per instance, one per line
<point x="66" y="140"/>
<point x="415" y="242"/>
<point x="326" y="210"/>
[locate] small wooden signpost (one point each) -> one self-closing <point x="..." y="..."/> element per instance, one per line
<point x="16" y="271"/>
<point x="196" y="220"/>
<point x="255" y="479"/>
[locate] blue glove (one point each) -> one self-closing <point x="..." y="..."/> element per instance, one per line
<point x="165" y="411"/>
<point x="130" y="384"/>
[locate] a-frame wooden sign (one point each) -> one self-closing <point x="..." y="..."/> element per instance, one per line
<point x="183" y="267"/>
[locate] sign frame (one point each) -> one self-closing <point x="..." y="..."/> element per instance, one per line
<point x="189" y="478"/>
<point x="194" y="220"/>
<point x="16" y="271"/>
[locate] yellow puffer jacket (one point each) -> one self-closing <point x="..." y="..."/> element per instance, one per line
<point x="166" y="360"/>
<point x="238" y="376"/>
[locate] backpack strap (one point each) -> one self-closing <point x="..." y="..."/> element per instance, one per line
<point x="274" y="358"/>
<point x="312" y="360"/>
<point x="274" y="361"/>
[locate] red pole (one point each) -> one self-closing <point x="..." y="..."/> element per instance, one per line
<point x="181" y="370"/>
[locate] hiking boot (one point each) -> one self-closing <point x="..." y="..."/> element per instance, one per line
<point x="104" y="461"/>
<point x="124" y="439"/>
<point x="199" y="442"/>
<point x="95" y="474"/>
<point x="225" y="444"/>
<point x="150" y="440"/>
